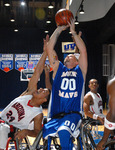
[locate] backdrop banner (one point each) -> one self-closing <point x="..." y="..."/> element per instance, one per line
<point x="6" y="62"/>
<point x="21" y="61"/>
<point x="34" y="58"/>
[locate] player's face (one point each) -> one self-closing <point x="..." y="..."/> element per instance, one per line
<point x="70" y="61"/>
<point x="93" y="85"/>
<point x="41" y="93"/>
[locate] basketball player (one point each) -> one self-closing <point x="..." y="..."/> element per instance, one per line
<point x="67" y="90"/>
<point x="93" y="105"/>
<point x="26" y="108"/>
<point x="110" y="117"/>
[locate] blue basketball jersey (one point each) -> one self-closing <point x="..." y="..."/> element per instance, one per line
<point x="67" y="91"/>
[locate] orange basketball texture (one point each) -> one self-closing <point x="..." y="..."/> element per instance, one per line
<point x="63" y="16"/>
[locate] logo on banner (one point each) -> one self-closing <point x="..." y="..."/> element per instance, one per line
<point x="6" y="62"/>
<point x="30" y="65"/>
<point x="21" y="61"/>
<point x="68" y="47"/>
<point x="34" y="58"/>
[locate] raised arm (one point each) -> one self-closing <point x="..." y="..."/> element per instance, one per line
<point x="82" y="48"/>
<point x="53" y="59"/>
<point x="47" y="77"/>
<point x="39" y="68"/>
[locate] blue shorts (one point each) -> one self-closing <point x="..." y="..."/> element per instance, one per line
<point x="70" y="122"/>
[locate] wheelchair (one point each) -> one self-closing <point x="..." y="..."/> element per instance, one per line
<point x="91" y="135"/>
<point x="84" y="141"/>
<point x="16" y="144"/>
<point x="54" y="142"/>
<point x="38" y="144"/>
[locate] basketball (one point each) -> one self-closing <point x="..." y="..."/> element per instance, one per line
<point x="63" y="16"/>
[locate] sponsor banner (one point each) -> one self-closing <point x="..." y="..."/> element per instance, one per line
<point x="68" y="47"/>
<point x="21" y="61"/>
<point x="33" y="60"/>
<point x="6" y="62"/>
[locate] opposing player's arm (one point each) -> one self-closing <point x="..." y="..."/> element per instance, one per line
<point x="86" y="105"/>
<point x="47" y="77"/>
<point x="39" y="68"/>
<point x="32" y="85"/>
<point x="33" y="133"/>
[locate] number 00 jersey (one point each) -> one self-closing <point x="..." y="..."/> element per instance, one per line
<point x="67" y="91"/>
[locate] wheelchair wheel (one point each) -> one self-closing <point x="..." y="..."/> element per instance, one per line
<point x="87" y="137"/>
<point x="41" y="144"/>
<point x="90" y="133"/>
<point x="88" y="142"/>
<point x="110" y="145"/>
<point x="11" y="144"/>
<point x="16" y="145"/>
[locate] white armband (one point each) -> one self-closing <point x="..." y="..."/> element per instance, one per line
<point x="109" y="125"/>
<point x="95" y="116"/>
<point x="77" y="55"/>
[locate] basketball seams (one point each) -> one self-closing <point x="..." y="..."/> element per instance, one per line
<point x="66" y="17"/>
<point x="63" y="16"/>
<point x="60" y="20"/>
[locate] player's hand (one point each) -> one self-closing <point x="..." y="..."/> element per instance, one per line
<point x="100" y="119"/>
<point x="100" y="145"/>
<point x="62" y="28"/>
<point x="72" y="25"/>
<point x="47" y="68"/>
<point x="20" y="134"/>
<point x="80" y="33"/>
<point x="45" y="42"/>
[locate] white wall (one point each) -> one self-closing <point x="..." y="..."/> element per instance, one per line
<point x="94" y="9"/>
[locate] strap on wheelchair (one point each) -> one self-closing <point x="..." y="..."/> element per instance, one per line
<point x="62" y="114"/>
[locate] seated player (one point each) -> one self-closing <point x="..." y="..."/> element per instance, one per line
<point x="67" y="90"/>
<point x="26" y="108"/>
<point x="93" y="104"/>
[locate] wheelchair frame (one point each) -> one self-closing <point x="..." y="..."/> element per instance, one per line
<point x="85" y="135"/>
